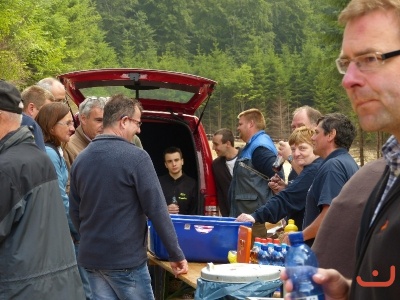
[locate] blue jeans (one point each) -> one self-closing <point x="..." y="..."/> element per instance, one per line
<point x="129" y="284"/>
<point x="84" y="277"/>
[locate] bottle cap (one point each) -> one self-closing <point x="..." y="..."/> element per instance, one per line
<point x="296" y="237"/>
<point x="290" y="227"/>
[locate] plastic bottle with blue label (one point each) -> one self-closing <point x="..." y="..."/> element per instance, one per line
<point x="301" y="264"/>
<point x="270" y="249"/>
<point x="277" y="256"/>
<point x="263" y="256"/>
<point x="284" y="250"/>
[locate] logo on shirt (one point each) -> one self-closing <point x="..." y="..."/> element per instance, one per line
<point x="182" y="197"/>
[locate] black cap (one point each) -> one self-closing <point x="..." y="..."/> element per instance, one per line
<point x="10" y="98"/>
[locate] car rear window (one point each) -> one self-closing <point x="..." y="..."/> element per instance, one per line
<point x="160" y="94"/>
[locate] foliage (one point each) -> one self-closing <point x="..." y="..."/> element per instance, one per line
<point x="272" y="55"/>
<point x="44" y="38"/>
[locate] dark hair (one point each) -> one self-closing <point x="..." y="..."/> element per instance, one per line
<point x="345" y="130"/>
<point x="227" y="135"/>
<point x="47" y="118"/>
<point x="118" y="106"/>
<point x="171" y="150"/>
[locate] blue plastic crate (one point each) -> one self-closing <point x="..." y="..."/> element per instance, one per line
<point x="201" y="238"/>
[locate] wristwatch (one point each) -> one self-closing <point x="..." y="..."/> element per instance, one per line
<point x="290" y="158"/>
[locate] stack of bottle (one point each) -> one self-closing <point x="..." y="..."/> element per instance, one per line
<point x="270" y="251"/>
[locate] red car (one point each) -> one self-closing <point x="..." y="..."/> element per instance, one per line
<point x="169" y="101"/>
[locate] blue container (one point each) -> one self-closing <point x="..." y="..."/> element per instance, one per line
<point x="201" y="238"/>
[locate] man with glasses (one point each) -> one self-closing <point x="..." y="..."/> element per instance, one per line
<point x="370" y="64"/>
<point x="114" y="189"/>
<point x="33" y="98"/>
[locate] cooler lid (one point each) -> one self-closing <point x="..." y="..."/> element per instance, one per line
<point x="240" y="273"/>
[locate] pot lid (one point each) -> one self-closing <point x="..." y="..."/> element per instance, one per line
<point x="240" y="272"/>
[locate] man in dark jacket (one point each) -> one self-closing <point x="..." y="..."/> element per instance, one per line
<point x="180" y="190"/>
<point x="224" y="145"/>
<point x="37" y="257"/>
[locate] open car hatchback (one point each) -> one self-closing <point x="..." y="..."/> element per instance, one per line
<point x="169" y="101"/>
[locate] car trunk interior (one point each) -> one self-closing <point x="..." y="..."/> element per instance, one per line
<point x="157" y="136"/>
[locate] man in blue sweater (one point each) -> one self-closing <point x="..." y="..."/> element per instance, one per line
<point x="114" y="189"/>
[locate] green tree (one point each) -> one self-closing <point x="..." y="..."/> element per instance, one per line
<point x="290" y="20"/>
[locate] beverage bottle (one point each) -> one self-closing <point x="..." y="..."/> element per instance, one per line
<point x="270" y="250"/>
<point x="263" y="255"/>
<point x="284" y="250"/>
<point x="174" y="201"/>
<point x="278" y="163"/>
<point x="277" y="256"/>
<point x="255" y="250"/>
<point x="301" y="264"/>
<point x="290" y="227"/>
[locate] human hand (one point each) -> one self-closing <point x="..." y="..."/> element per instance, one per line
<point x="173" y="209"/>
<point x="285" y="238"/>
<point x="335" y="286"/>
<point x="245" y="218"/>
<point x="180" y="267"/>
<point x="284" y="149"/>
<point x="276" y="184"/>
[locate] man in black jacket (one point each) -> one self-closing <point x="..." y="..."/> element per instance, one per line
<point x="37" y="257"/>
<point x="179" y="189"/>
<point x="224" y="146"/>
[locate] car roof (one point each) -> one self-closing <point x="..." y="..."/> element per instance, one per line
<point x="157" y="90"/>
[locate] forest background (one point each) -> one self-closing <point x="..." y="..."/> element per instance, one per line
<point x="274" y="55"/>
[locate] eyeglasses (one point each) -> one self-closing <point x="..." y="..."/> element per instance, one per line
<point x="68" y="123"/>
<point x="138" y="123"/>
<point x="365" y="62"/>
<point x="63" y="101"/>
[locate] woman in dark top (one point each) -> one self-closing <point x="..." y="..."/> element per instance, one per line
<point x="290" y="202"/>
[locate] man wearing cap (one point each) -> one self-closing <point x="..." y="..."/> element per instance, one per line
<point x="37" y="256"/>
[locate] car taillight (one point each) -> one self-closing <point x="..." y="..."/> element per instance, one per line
<point x="210" y="207"/>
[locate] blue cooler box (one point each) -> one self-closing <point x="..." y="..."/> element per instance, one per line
<point x="201" y="238"/>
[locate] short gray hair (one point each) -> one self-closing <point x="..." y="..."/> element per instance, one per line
<point x="91" y="102"/>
